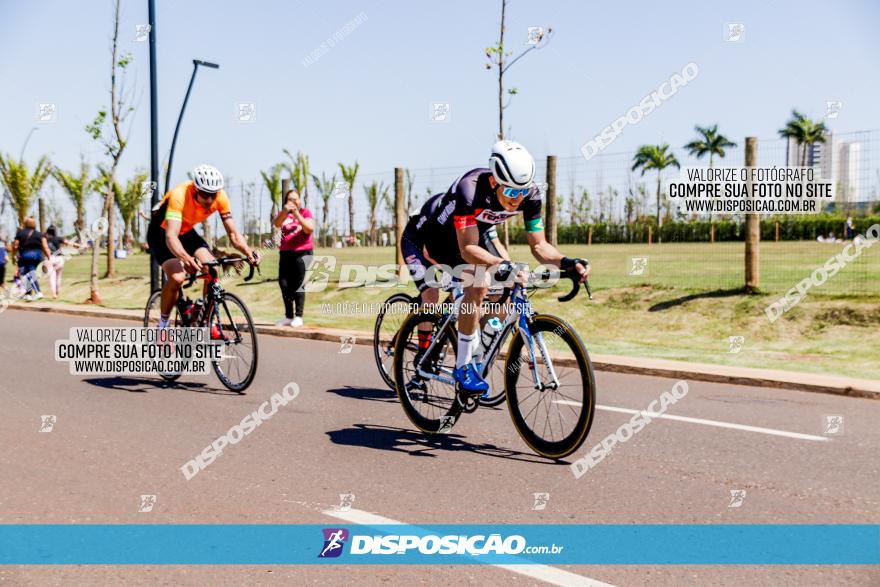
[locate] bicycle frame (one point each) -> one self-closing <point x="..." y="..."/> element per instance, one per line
<point x="518" y="319"/>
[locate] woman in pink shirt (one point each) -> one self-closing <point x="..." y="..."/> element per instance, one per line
<point x="296" y="224"/>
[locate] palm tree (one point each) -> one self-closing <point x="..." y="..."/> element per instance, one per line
<point x="21" y="184"/>
<point x="128" y="201"/>
<point x="805" y="132"/>
<point x="299" y="173"/>
<point x="709" y="142"/>
<point x="272" y="180"/>
<point x="78" y="188"/>
<point x="325" y="190"/>
<point x="655" y="157"/>
<point x="376" y="192"/>
<point x="349" y="175"/>
<point x="410" y="180"/>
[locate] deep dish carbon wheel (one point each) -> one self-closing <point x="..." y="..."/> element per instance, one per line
<point x="430" y="405"/>
<point x="392" y="314"/>
<point x="231" y="325"/>
<point x="151" y="320"/>
<point x="553" y="421"/>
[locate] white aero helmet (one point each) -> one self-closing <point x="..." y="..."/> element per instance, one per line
<point x="511" y="164"/>
<point x="208" y="178"/>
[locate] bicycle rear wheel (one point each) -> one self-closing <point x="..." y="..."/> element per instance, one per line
<point x="391" y="316"/>
<point x="431" y="405"/>
<point x="151" y="320"/>
<point x="553" y="421"/>
<point x="231" y="325"/>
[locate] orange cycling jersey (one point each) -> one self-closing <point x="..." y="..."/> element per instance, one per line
<point x="182" y="206"/>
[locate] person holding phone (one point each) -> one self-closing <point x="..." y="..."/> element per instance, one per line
<point x="297" y="225"/>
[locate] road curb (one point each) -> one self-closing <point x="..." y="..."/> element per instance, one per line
<point x="810" y="382"/>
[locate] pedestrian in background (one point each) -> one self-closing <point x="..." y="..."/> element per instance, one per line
<point x="55" y="262"/>
<point x="296" y="224"/>
<point x="3" y="255"/>
<point x="30" y="245"/>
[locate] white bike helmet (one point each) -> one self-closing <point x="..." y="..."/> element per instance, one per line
<point x="208" y="178"/>
<point x="511" y="164"/>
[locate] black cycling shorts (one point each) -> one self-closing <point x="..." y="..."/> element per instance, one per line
<point x="419" y="266"/>
<point x="191" y="241"/>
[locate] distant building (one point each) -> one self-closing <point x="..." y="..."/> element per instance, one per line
<point x="836" y="159"/>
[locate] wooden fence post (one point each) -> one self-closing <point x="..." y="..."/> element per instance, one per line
<point x="550" y="221"/>
<point x="753" y="227"/>
<point x="590" y="236"/>
<point x="399" y="219"/>
<point x="649" y="234"/>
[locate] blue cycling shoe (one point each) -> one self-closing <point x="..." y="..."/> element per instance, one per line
<point x="469" y="379"/>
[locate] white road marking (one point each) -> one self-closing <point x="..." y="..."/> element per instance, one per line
<point x="545" y="573"/>
<point x="566" y="402"/>
<point x="719" y="424"/>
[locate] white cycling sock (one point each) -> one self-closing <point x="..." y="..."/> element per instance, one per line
<point x="465" y="349"/>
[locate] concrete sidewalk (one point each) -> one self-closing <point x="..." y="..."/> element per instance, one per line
<point x="833" y="384"/>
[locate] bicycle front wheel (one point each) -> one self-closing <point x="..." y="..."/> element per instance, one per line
<point x="553" y="412"/>
<point x="391" y="316"/>
<point x="231" y="326"/>
<point x="151" y="320"/>
<point x="429" y="402"/>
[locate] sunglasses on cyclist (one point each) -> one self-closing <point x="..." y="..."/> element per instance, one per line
<point x="514" y="193"/>
<point x="206" y="195"/>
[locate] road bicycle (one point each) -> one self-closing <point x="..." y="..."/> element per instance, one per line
<point x="547" y="377"/>
<point x="390" y="318"/>
<point x="224" y="314"/>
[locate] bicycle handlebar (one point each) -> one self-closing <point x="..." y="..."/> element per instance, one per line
<point x="571" y="274"/>
<point x="575" y="278"/>
<point x="222" y="261"/>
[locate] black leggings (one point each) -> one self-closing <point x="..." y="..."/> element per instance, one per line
<point x="291" y="272"/>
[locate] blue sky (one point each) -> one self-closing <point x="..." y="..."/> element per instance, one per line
<point x="368" y="98"/>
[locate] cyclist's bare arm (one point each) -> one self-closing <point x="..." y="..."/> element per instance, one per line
<point x="471" y="251"/>
<point x="236" y="239"/>
<point x="546" y="253"/>
<point x="497" y="242"/>
<point x="172" y="239"/>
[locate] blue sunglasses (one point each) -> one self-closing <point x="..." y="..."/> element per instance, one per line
<point x="514" y="193"/>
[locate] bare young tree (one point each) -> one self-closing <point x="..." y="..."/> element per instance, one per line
<point x="112" y="133"/>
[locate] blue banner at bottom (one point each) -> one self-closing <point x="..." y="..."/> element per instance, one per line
<point x="234" y="544"/>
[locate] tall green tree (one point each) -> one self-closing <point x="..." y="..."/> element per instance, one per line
<point x="325" y="190"/>
<point x="656" y="157"/>
<point x="349" y="175"/>
<point x="299" y="174"/>
<point x="272" y="181"/>
<point x="78" y="187"/>
<point x="376" y="192"/>
<point x="709" y="142"/>
<point x="22" y="185"/>
<point x="408" y="202"/>
<point x="805" y="133"/>
<point x="128" y="201"/>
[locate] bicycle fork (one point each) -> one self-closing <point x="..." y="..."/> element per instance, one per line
<point x="538" y="340"/>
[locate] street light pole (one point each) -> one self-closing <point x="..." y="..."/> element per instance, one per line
<point x="154" y="133"/>
<point x="192" y="80"/>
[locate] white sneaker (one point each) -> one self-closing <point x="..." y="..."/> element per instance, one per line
<point x="297" y="322"/>
<point x="284" y="322"/>
<point x="39" y="295"/>
<point x="28" y="297"/>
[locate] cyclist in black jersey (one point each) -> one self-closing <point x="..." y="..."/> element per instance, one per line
<point x="457" y="229"/>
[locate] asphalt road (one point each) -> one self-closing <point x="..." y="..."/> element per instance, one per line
<point x="117" y="438"/>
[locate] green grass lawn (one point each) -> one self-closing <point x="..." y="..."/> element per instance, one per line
<point x="684" y="307"/>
